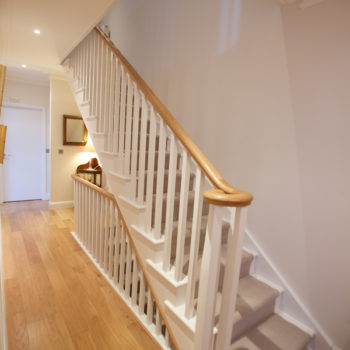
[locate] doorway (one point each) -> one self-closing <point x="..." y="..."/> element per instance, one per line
<point x="24" y="163"/>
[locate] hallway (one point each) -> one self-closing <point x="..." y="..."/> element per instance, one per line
<point x="55" y="298"/>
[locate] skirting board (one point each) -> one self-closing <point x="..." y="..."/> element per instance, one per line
<point x="289" y="306"/>
<point x="61" y="205"/>
<point x="3" y="333"/>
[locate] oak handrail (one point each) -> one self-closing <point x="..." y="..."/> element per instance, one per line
<point x="224" y="194"/>
<point x="110" y="196"/>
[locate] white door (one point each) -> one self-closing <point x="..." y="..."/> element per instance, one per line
<point x="23" y="163"/>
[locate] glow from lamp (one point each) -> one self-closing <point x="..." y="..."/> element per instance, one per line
<point x="89" y="150"/>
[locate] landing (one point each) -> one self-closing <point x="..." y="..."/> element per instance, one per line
<point x="55" y="297"/>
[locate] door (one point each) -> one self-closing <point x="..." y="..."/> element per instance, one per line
<point x="23" y="163"/>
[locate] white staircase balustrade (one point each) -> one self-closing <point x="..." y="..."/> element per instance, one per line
<point x="183" y="222"/>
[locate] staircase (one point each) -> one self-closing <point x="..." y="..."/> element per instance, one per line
<point x="186" y="223"/>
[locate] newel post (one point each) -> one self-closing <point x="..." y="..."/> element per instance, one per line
<point x="206" y="336"/>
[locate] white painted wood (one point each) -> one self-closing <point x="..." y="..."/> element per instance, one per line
<point x="150" y="170"/>
<point x="208" y="282"/>
<point x="231" y="277"/>
<point x="111" y="240"/>
<point x="129" y="108"/>
<point x="107" y="83"/>
<point x="181" y="231"/>
<point x="111" y="103"/>
<point x="106" y="235"/>
<point x="135" y="139"/>
<point x="128" y="270"/>
<point x="101" y="88"/>
<point x="97" y="222"/>
<point x="195" y="236"/>
<point x="94" y="74"/>
<point x="160" y="180"/>
<point x="170" y="203"/>
<point x="89" y="219"/>
<point x="102" y="229"/>
<point x="122" y="119"/>
<point x="116" y="107"/>
<point x="142" y="151"/>
<point x="135" y="279"/>
<point x="117" y="249"/>
<point x="142" y="294"/>
<point x="122" y="259"/>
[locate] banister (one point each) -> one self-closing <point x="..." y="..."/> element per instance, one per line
<point x="110" y="196"/>
<point x="224" y="194"/>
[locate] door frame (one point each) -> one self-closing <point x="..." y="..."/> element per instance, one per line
<point x="43" y="147"/>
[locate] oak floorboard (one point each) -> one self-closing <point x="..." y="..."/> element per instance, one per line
<point x="55" y="297"/>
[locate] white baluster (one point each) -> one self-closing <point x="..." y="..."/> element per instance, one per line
<point x="111" y="103"/>
<point x="117" y="249"/>
<point x="208" y="282"/>
<point x="107" y="81"/>
<point x="111" y="239"/>
<point x="116" y="107"/>
<point x="122" y="260"/>
<point x="160" y="180"/>
<point x="142" y="295"/>
<point x="102" y="229"/>
<point x="106" y="235"/>
<point x="135" y="139"/>
<point x="231" y="277"/>
<point x="128" y="270"/>
<point x="102" y="74"/>
<point x="142" y="151"/>
<point x="195" y="237"/>
<point x="97" y="225"/>
<point x="170" y="203"/>
<point x="129" y="108"/>
<point x="181" y="229"/>
<point x="94" y="74"/>
<point x="150" y="170"/>
<point x="122" y="120"/>
<point x="135" y="279"/>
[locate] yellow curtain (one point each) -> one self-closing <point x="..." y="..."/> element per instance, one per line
<point x="2" y="127"/>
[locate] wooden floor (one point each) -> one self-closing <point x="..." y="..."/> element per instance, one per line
<point x="55" y="297"/>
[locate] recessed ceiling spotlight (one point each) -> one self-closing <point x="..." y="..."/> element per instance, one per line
<point x="37" y="31"/>
<point x="24" y="66"/>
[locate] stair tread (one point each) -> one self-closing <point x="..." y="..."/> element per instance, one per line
<point x="252" y="294"/>
<point x="275" y="333"/>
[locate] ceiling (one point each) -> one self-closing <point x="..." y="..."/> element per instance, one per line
<point x="63" y="23"/>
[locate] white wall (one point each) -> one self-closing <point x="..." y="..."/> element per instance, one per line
<point x="221" y="68"/>
<point x="318" y="53"/>
<point x="62" y="165"/>
<point x="29" y="93"/>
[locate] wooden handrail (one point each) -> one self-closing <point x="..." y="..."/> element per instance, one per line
<point x="110" y="196"/>
<point x="227" y="195"/>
